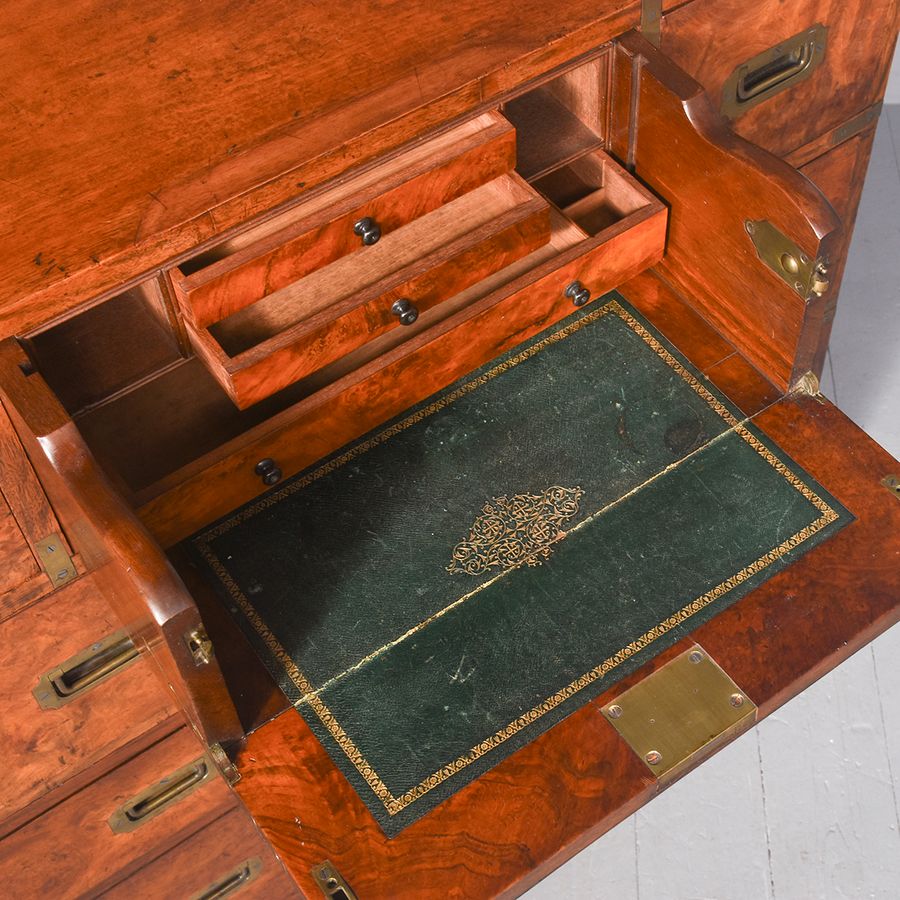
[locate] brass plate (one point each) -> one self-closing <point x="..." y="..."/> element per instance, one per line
<point x="680" y="713"/>
<point x="805" y="275"/>
<point x="892" y="483"/>
<point x="55" y="559"/>
<point x="331" y="882"/>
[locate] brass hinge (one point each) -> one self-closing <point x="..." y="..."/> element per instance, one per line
<point x="199" y="645"/>
<point x="53" y="556"/>
<point x="807" y="276"/>
<point x="680" y="713"/>
<point x="228" y="769"/>
<point x="331" y="882"/>
<point x="651" y="21"/>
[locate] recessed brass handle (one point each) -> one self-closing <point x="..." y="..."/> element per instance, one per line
<point x="776" y="69"/>
<point x="78" y="674"/>
<point x="156" y="798"/>
<point x="233" y="881"/>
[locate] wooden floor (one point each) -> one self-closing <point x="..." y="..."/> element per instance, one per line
<point x="807" y="805"/>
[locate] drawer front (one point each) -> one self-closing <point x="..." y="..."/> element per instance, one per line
<point x="61" y="727"/>
<point x="297" y="331"/>
<point x="72" y="850"/>
<point x="490" y="318"/>
<point x="780" y="80"/>
<point x="326" y="228"/>
<point x="228" y="858"/>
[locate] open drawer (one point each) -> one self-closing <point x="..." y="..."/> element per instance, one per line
<point x="624" y="436"/>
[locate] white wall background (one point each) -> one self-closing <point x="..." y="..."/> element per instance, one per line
<point x="893" y="88"/>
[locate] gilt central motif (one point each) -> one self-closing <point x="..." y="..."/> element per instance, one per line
<point x="514" y="530"/>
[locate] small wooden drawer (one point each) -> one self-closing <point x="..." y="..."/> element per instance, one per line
<point x="63" y="718"/>
<point x="784" y="73"/>
<point x="297" y="330"/>
<point x="253" y="265"/>
<point x="227" y="858"/>
<point x="111" y="828"/>
<point x="604" y="229"/>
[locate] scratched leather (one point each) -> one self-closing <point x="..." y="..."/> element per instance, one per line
<point x="349" y="571"/>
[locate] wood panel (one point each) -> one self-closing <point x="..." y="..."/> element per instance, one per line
<point x="542" y="804"/>
<point x="711" y="38"/>
<point x="128" y="567"/>
<point x="716" y="182"/>
<point x="319" y="232"/>
<point x="205" y="860"/>
<point x="203" y="118"/>
<point x="71" y="850"/>
<point x="46" y="748"/>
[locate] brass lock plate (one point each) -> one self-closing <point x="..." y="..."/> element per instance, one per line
<point x="680" y="713"/>
<point x="795" y="268"/>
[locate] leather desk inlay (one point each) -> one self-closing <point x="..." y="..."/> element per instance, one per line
<point x="446" y="589"/>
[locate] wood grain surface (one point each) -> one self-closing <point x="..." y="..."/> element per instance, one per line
<point x="46" y="748"/>
<point x="205" y="860"/>
<point x="715" y="182"/>
<point x="319" y="232"/>
<point x="156" y="129"/>
<point x="711" y="38"/>
<point x="71" y="851"/>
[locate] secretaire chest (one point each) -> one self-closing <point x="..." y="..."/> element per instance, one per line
<point x="413" y="457"/>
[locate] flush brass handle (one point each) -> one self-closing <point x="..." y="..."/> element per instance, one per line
<point x="78" y="674"/>
<point x="158" y="797"/>
<point x="237" y="878"/>
<point x="776" y="69"/>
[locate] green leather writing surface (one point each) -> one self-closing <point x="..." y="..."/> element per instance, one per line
<point x="444" y="590"/>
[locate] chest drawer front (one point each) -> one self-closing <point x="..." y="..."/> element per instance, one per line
<point x="347" y="220"/>
<point x="50" y="743"/>
<point x="781" y="80"/>
<point x="302" y="328"/>
<point x="72" y="850"/>
<point x="229" y="856"/>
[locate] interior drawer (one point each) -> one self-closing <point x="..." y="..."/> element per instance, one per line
<point x="301" y="328"/>
<point x="228" y="858"/>
<point x="257" y="263"/>
<point x="605" y="228"/>
<point x="784" y="73"/>
<point x="62" y="715"/>
<point x="110" y="828"/>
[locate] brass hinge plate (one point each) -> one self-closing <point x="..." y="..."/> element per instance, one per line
<point x="331" y="882"/>
<point x="680" y="713"/>
<point x="804" y="275"/>
<point x="53" y="556"/>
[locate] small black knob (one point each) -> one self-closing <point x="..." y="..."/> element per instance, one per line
<point x="405" y="311"/>
<point x="579" y="293"/>
<point x="368" y="229"/>
<point x="268" y="470"/>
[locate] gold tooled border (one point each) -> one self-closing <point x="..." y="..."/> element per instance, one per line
<point x="393" y="804"/>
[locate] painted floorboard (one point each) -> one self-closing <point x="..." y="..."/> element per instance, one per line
<point x="807" y="806"/>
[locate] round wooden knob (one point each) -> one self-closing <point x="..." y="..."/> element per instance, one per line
<point x="405" y="311"/>
<point x="368" y="229"/>
<point x="268" y="470"/>
<point x="578" y="293"/>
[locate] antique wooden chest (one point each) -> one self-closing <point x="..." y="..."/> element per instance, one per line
<point x="413" y="457"/>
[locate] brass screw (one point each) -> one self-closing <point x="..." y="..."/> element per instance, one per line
<point x="737" y="700"/>
<point x="749" y="226"/>
<point x="654" y="757"/>
<point x="615" y="711"/>
<point x="696" y="656"/>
